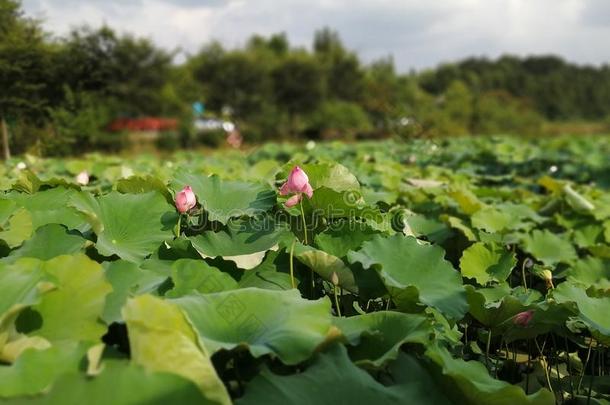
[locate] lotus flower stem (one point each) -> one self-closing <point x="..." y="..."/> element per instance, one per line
<point x="178" y="226"/>
<point x="465" y="338"/>
<point x="529" y="360"/>
<point x="304" y="223"/>
<point x="523" y="274"/>
<point x="565" y="339"/>
<point x="487" y="348"/>
<point x="545" y="364"/>
<point x="591" y="381"/>
<point x="501" y="343"/>
<point x="584" y="367"/>
<point x="337" y="300"/>
<point x="292" y="263"/>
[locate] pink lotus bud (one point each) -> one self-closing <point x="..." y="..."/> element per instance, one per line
<point x="83" y="178"/>
<point x="297" y="182"/>
<point x="185" y="199"/>
<point x="292" y="201"/>
<point x="523" y="318"/>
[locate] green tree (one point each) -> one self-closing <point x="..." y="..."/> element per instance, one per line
<point x="128" y="72"/>
<point x="339" y="119"/>
<point x="25" y="65"/>
<point x="234" y="80"/>
<point x="499" y="112"/>
<point x="343" y="75"/>
<point x="297" y="86"/>
<point x="455" y="110"/>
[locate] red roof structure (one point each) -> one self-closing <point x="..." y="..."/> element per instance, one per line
<point x="143" y="124"/>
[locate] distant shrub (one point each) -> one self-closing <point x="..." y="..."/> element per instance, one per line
<point x="168" y="141"/>
<point x="213" y="139"/>
<point x="334" y="118"/>
<point x="499" y="112"/>
<point x="78" y="125"/>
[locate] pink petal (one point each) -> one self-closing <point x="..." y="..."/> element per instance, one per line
<point x="297" y="179"/>
<point x="523" y="318"/>
<point x="181" y="204"/>
<point x="292" y="201"/>
<point x="308" y="190"/>
<point x="185" y="199"/>
<point x="285" y="190"/>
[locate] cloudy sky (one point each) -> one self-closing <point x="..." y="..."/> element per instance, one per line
<point x="418" y="34"/>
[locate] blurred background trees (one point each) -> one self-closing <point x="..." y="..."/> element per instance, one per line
<point x="60" y="94"/>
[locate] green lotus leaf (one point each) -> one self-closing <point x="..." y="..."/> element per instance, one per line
<point x="331" y="175"/>
<point x="466" y="200"/>
<point x="140" y="185"/>
<point x="15" y="223"/>
<point x="414" y="272"/>
<point x="344" y="236"/>
<point x="35" y="370"/>
<point x="265" y="321"/>
<point x="196" y="275"/>
<point x="7" y="207"/>
<point x="549" y="248"/>
<point x="120" y="383"/>
<point x="457" y="223"/>
<point x="267" y="274"/>
<point x="496" y="308"/>
<point x="334" y="379"/>
<point x="161" y="340"/>
<point x="132" y="225"/>
<point x="127" y="280"/>
<point x="263" y="170"/>
<point x="89" y="210"/>
<point x="325" y="265"/>
<point x="469" y="382"/>
<point x="51" y="207"/>
<point x="435" y="231"/>
<point x="223" y="199"/>
<point x="493" y="306"/>
<point x="588" y="236"/>
<point x="241" y="241"/>
<point x="491" y="219"/>
<point x="593" y="310"/>
<point x="487" y="262"/>
<point x="334" y="204"/>
<point x="591" y="272"/>
<point x="378" y="336"/>
<point x="71" y="311"/>
<point x="30" y="183"/>
<point x="50" y="241"/>
<point x="19" y="284"/>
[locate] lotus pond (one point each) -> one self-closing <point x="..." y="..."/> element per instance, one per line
<point x="459" y="271"/>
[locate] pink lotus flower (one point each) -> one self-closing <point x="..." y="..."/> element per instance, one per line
<point x="83" y="178"/>
<point x="523" y="318"/>
<point x="185" y="199"/>
<point x="297" y="184"/>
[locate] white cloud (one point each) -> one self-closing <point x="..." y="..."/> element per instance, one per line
<point x="418" y="33"/>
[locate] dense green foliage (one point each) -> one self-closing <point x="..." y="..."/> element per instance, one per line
<point x="555" y="88"/>
<point x="467" y="271"/>
<point x="59" y="94"/>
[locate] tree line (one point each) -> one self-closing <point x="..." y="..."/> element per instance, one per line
<point x="59" y="94"/>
